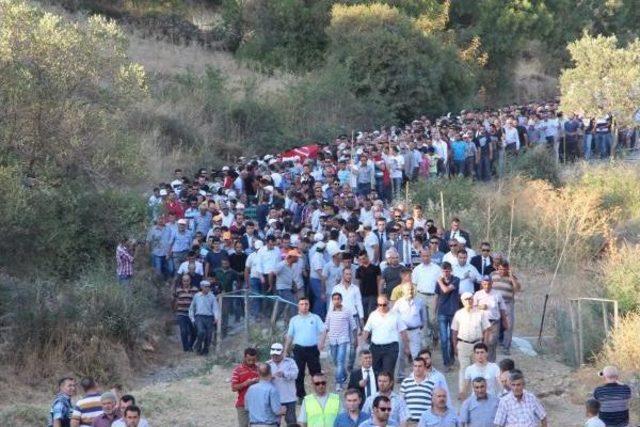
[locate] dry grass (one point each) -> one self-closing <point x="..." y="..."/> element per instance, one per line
<point x="163" y="58"/>
<point x="623" y="347"/>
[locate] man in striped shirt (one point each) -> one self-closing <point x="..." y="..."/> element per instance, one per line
<point x="340" y="330"/>
<point x="506" y="284"/>
<point x="89" y="407"/>
<point x="614" y="398"/>
<point x="417" y="390"/>
<point x="182" y="298"/>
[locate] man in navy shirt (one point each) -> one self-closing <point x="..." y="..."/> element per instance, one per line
<point x="448" y="302"/>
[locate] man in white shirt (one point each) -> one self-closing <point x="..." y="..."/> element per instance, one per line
<point x="425" y="276"/>
<point x="253" y="277"/>
<point x="481" y="368"/>
<point x="268" y="258"/>
<point x="466" y="272"/>
<point x="468" y="327"/>
<point x="452" y="256"/>
<point x="491" y="301"/>
<point x="413" y="313"/>
<point x="386" y="329"/>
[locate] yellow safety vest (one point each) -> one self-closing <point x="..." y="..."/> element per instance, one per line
<point x="316" y="415"/>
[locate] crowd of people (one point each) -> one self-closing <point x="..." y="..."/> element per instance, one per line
<point x="371" y="279"/>
<point x="96" y="408"/>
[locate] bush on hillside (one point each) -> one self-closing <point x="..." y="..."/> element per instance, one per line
<point x="63" y="89"/>
<point x="459" y="194"/>
<point x="60" y="230"/>
<point x="413" y="72"/>
<point x="90" y="326"/>
<point x="321" y="106"/>
<point x="286" y="33"/>
<point x="623" y="346"/>
<point x="621" y="276"/>
<point x="618" y="187"/>
<point x="536" y="163"/>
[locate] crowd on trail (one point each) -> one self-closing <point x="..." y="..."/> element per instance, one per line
<point x="375" y="281"/>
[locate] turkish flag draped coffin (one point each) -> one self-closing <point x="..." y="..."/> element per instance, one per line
<point x="304" y="153"/>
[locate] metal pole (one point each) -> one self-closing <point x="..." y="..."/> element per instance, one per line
<point x="246" y="313"/>
<point x="219" y="326"/>
<point x="616" y="318"/>
<point x="442" y="209"/>
<point x="574" y="330"/>
<point x="580" y="339"/>
<point x="513" y="204"/>
<point x="406" y="193"/>
<point x="488" y="220"/>
<point x="605" y="319"/>
<point x="544" y="312"/>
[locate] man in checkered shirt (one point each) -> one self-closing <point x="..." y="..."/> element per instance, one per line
<point x="520" y="408"/>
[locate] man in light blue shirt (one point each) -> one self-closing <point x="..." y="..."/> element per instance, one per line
<point x="203" y="312"/>
<point x="263" y="400"/>
<point x="439" y="415"/>
<point x="479" y="410"/>
<point x="181" y="244"/>
<point x="305" y="330"/>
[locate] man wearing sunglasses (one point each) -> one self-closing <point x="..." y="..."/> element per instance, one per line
<point x="380" y="413"/>
<point x="319" y="409"/>
<point x="386" y="328"/>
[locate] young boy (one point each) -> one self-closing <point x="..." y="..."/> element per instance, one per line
<point x="593" y="407"/>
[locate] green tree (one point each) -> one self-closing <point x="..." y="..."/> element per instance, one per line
<point x="63" y="88"/>
<point x="390" y="57"/>
<point x="605" y="78"/>
<point x="286" y="33"/>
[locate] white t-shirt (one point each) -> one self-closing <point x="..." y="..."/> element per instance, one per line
<point x="384" y="329"/>
<point x="120" y="423"/>
<point x="369" y="242"/>
<point x="490" y="372"/>
<point x="594" y="422"/>
<point x="184" y="268"/>
<point x="426" y="276"/>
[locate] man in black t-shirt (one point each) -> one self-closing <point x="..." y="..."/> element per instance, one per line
<point x="370" y="279"/>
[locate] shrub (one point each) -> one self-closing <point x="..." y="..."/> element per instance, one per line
<point x="623" y="346"/>
<point x="413" y="72"/>
<point x="75" y="81"/>
<point x="458" y="193"/>
<point x="621" y="276"/>
<point x="90" y="326"/>
<point x="617" y="186"/>
<point x="537" y="163"/>
<point x="24" y="415"/>
<point x="58" y="230"/>
<point x="287" y="33"/>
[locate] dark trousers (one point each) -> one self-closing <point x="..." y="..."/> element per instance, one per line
<point x="384" y="357"/>
<point x="369" y="304"/>
<point x="204" y="328"/>
<point x="187" y="332"/>
<point x="305" y="356"/>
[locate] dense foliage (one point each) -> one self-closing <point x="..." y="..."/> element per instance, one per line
<point x="604" y="80"/>
<point x="410" y="71"/>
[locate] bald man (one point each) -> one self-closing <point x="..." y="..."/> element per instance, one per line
<point x="439" y="414"/>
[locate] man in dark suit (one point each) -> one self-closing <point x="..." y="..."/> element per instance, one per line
<point x="454" y="233"/>
<point x="381" y="234"/>
<point x="484" y="261"/>
<point x="249" y="237"/>
<point x="363" y="378"/>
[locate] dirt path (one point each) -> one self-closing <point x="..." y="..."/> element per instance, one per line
<point x="171" y="399"/>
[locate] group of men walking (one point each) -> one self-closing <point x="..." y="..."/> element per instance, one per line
<point x="320" y="232"/>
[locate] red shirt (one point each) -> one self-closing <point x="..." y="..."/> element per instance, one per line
<point x="176" y="208"/>
<point x="240" y="374"/>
